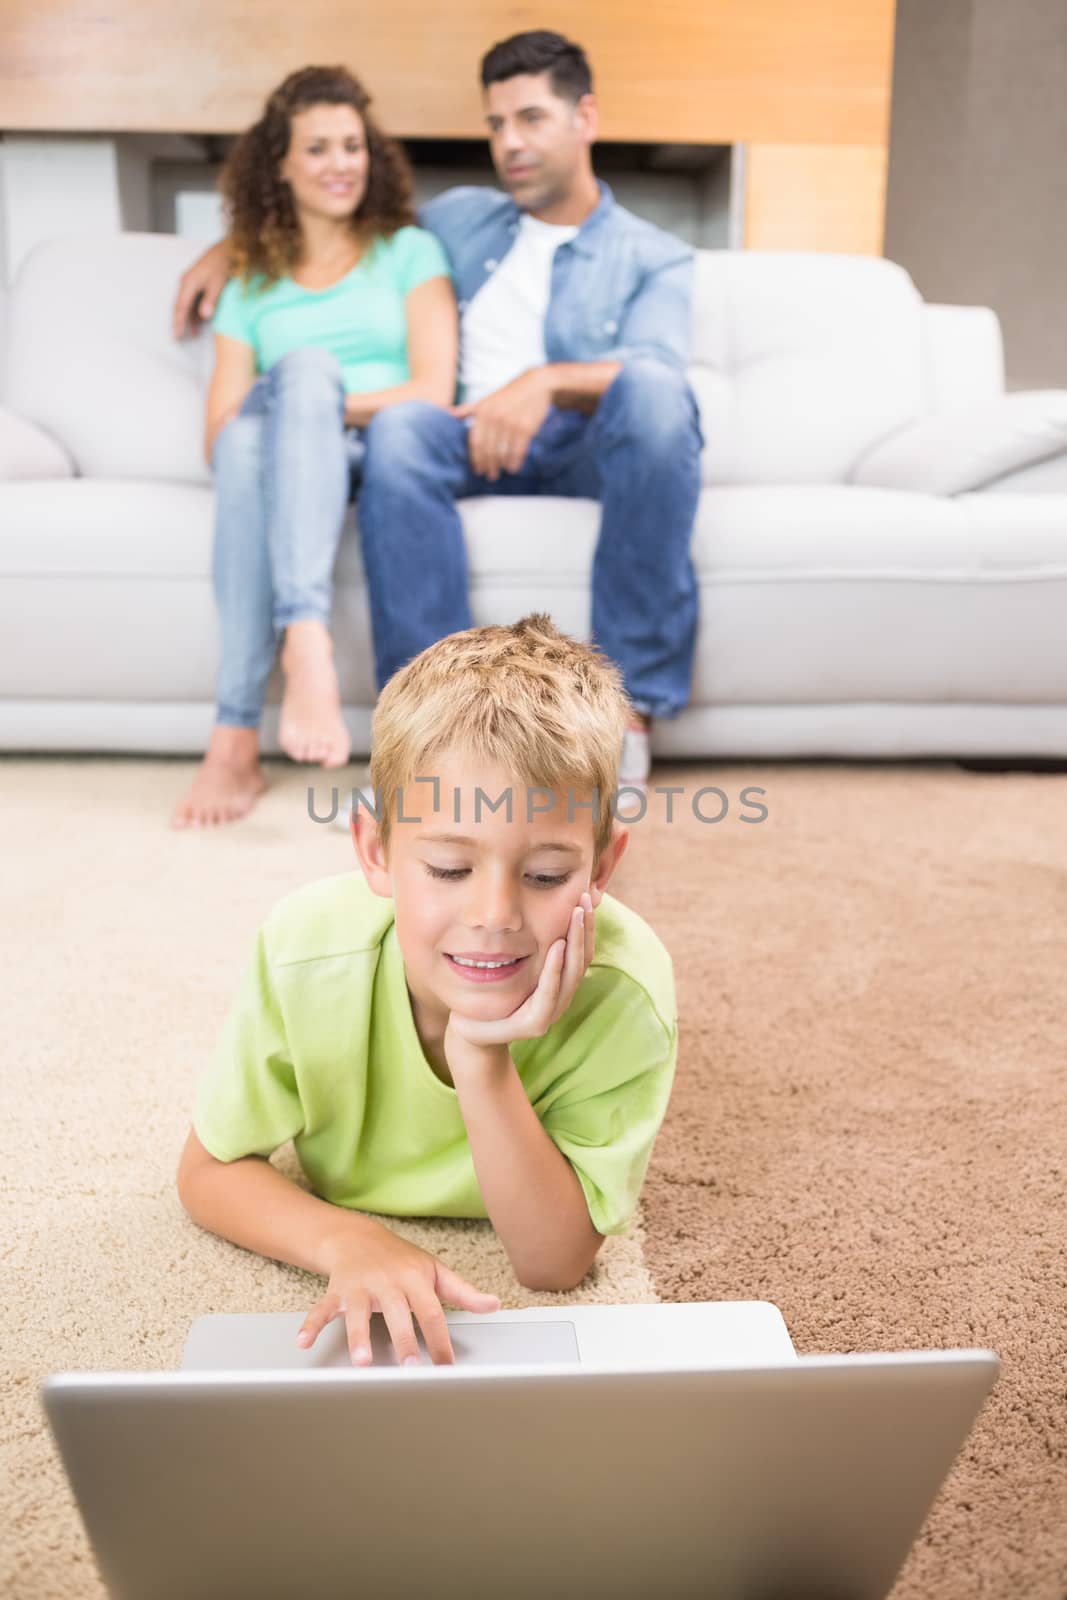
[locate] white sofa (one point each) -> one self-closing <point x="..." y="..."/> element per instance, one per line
<point x="881" y="541"/>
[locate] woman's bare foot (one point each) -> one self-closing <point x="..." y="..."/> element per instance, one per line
<point x="310" y="727"/>
<point x="228" y="781"/>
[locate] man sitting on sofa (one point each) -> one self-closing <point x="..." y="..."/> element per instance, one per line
<point x="574" y="341"/>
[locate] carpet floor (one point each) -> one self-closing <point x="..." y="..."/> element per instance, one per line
<point x="868" y="1128"/>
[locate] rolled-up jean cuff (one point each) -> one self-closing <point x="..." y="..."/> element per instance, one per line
<point x="659" y="708"/>
<point x="284" y="615"/>
<point x="228" y="717"/>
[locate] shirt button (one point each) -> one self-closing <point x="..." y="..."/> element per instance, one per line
<point x="491" y="265"/>
<point x="611" y="327"/>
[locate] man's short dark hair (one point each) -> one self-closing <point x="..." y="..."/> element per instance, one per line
<point x="540" y="51"/>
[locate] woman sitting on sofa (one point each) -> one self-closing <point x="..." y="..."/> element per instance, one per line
<point x="339" y="306"/>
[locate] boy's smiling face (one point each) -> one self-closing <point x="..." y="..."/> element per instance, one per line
<point x="485" y="890"/>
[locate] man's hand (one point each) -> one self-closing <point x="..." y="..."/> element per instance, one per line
<point x="503" y="424"/>
<point x="381" y="1272"/>
<point x="199" y="289"/>
<point x="471" y="1043"/>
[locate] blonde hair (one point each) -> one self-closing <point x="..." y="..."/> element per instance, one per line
<point x="547" y="709"/>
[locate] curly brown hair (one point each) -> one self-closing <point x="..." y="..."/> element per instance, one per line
<point x="264" y="228"/>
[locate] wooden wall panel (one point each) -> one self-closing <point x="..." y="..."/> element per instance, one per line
<point x="707" y="71"/>
<point x="815" y="197"/>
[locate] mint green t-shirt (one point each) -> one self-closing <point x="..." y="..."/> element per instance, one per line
<point x="361" y="319"/>
<point x="320" y="1047"/>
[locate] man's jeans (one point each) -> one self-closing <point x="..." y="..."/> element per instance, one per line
<point x="285" y="468"/>
<point x="638" y="454"/>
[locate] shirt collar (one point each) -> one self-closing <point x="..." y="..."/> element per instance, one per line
<point x="584" y="240"/>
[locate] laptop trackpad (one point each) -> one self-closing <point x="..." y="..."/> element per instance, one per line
<point x="236" y="1343"/>
<point x="486" y="1344"/>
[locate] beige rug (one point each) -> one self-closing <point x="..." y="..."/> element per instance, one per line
<point x="869" y="1122"/>
<point x="868" y="1128"/>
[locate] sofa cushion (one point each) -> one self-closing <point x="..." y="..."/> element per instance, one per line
<point x="964" y="352"/>
<point x="1047" y="477"/>
<point x="966" y="449"/>
<point x="835" y="594"/>
<point x="801" y="362"/>
<point x="808" y="595"/>
<point x="742" y="536"/>
<point x="91" y="357"/>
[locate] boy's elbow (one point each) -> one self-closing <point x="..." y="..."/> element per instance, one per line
<point x="549" y="1283"/>
<point x="552" y="1282"/>
<point x="562" y="1276"/>
<point x="186" y="1185"/>
<point x="191" y="1166"/>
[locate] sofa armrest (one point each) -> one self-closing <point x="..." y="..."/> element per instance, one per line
<point x="964" y="356"/>
<point x="965" y="449"/>
<point x="26" y="451"/>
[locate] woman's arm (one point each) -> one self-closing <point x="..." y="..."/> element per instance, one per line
<point x="234" y="375"/>
<point x="433" y="349"/>
<point x="199" y="289"/>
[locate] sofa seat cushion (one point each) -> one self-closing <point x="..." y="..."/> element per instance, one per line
<point x="98" y="528"/>
<point x="836" y="594"/>
<point x="817" y="532"/>
<point x="92" y="527"/>
<point x="808" y="594"/>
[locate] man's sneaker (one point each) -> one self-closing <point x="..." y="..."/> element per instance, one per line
<point x="343" y="819"/>
<point x="635" y="764"/>
<point x="344" y="809"/>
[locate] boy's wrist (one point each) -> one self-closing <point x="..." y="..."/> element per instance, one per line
<point x="343" y="1236"/>
<point x="470" y="1060"/>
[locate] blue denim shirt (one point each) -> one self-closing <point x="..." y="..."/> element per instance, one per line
<point x="620" y="288"/>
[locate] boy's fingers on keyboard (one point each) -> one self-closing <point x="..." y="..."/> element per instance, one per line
<point x="450" y="1286"/>
<point x="322" y="1312"/>
<point x="397" y="1314"/>
<point x="430" y="1313"/>
<point x="357" y="1328"/>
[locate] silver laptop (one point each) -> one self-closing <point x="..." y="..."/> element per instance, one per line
<point x="693" y="1334"/>
<point x="690" y="1471"/>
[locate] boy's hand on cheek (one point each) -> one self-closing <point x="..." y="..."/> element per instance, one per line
<point x="471" y="1042"/>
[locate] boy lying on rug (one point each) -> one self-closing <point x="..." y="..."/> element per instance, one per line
<point x="436" y="1034"/>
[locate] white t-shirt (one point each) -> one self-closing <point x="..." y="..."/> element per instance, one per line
<point x="503" y="328"/>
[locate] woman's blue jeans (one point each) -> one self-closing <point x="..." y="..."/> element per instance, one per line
<point x="285" y="469"/>
<point x="638" y="454"/>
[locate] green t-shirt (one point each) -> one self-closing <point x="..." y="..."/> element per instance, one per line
<point x="320" y="1047"/>
<point x="361" y="319"/>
